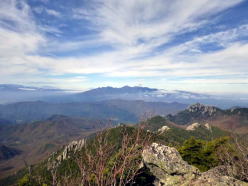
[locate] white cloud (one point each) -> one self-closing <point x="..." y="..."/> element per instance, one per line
<point x="20" y="37"/>
<point x="153" y="21"/>
<point x="52" y="12"/>
<point x="18" y="14"/>
<point x="134" y="29"/>
<point x="43" y="9"/>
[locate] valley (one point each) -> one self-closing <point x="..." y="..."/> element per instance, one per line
<point x="33" y="132"/>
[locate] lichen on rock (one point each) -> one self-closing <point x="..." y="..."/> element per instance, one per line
<point x="166" y="164"/>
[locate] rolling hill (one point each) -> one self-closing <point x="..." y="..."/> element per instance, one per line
<point x="118" y="110"/>
<point x="37" y="140"/>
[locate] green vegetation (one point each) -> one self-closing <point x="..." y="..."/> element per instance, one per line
<point x="27" y="180"/>
<point x="113" y="156"/>
<point x="176" y="136"/>
<point x="202" y="154"/>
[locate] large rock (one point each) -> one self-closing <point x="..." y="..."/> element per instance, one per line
<point x="72" y="147"/>
<point x="166" y="164"/>
<point x="193" y="126"/>
<point x="163" y="129"/>
<point x="217" y="177"/>
<point x="56" y="158"/>
<point x="203" y="109"/>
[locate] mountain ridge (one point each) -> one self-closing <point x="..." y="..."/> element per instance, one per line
<point x="235" y="119"/>
<point x="38" y="139"/>
<point x="55" y="95"/>
<point x="120" y="110"/>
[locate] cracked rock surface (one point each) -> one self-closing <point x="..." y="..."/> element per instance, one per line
<point x="166" y="164"/>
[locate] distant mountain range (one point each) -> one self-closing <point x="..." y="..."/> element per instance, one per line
<point x="19" y="93"/>
<point x="15" y="87"/>
<point x="11" y="93"/>
<point x="153" y="95"/>
<point x="115" y="110"/>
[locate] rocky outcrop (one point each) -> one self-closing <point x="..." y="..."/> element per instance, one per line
<point x="194" y="126"/>
<point x="163" y="129"/>
<point x="166" y="164"/>
<point x="217" y="177"/>
<point x="207" y="126"/>
<point x="203" y="109"/>
<point x="197" y="113"/>
<point x="56" y="158"/>
<point x="72" y="147"/>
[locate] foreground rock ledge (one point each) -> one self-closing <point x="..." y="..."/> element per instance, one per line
<point x="166" y="164"/>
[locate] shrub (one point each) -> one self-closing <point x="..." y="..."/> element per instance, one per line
<point x="202" y="154"/>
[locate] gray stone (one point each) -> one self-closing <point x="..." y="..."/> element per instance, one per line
<point x="166" y="164"/>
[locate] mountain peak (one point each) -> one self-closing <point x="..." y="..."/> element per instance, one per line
<point x="204" y="109"/>
<point x="122" y="90"/>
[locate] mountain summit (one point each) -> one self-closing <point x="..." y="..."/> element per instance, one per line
<point x="231" y="119"/>
<point x="203" y="109"/>
<point x="125" y="89"/>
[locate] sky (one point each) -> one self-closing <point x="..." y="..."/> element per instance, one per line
<point x="193" y="45"/>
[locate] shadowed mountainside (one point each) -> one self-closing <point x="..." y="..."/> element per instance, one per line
<point x="118" y="110"/>
<point x="37" y="140"/>
<point x="8" y="152"/>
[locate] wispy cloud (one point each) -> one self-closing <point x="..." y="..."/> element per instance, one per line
<point x="53" y="12"/>
<point x="130" y="22"/>
<point x="43" y="9"/>
<point x="133" y="30"/>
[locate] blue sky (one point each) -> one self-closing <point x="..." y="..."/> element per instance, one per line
<point x="194" y="45"/>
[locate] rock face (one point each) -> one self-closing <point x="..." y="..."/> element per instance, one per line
<point x="194" y="126"/>
<point x="217" y="176"/>
<point x="74" y="146"/>
<point x="163" y="129"/>
<point x="207" y="126"/>
<point x="203" y="109"/>
<point x="56" y="158"/>
<point x="196" y="113"/>
<point x="166" y="164"/>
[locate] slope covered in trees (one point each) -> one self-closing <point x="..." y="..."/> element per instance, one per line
<point x="114" y="155"/>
